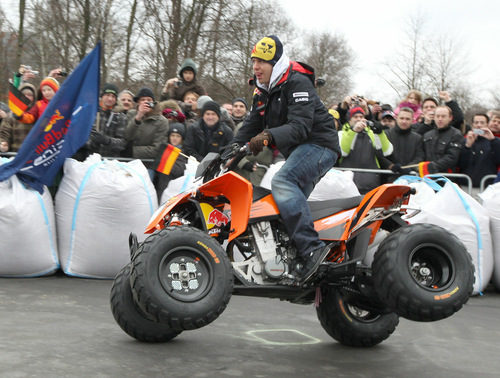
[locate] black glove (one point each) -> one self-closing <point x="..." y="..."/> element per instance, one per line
<point x="99" y="138"/>
<point x="396" y="168"/>
<point x="249" y="166"/>
<point x="228" y="151"/>
<point x="376" y="127"/>
<point x="258" y="142"/>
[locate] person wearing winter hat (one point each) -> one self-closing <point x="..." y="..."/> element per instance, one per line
<point x="208" y="134"/>
<point x="48" y="88"/>
<point x="107" y="136"/>
<point x="240" y="110"/>
<point x="176" y="87"/>
<point x="287" y="114"/>
<point x="13" y="132"/>
<point x="147" y="130"/>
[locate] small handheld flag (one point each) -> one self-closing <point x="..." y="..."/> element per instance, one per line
<point x="168" y="159"/>
<point x="423" y="168"/>
<point x="18" y="103"/>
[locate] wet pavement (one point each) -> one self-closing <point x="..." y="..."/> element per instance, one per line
<point x="59" y="326"/>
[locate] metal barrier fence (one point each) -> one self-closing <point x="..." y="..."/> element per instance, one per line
<point x="365" y="170"/>
<point x="482" y="184"/>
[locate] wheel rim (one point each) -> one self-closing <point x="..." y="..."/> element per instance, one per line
<point x="431" y="267"/>
<point x="356" y="312"/>
<point x="185" y="274"/>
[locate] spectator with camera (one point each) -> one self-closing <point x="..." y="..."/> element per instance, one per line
<point x="208" y="134"/>
<point x="429" y="106"/>
<point x="481" y="153"/>
<point x="364" y="144"/>
<point x="443" y="144"/>
<point x="147" y="130"/>
<point x="107" y="136"/>
<point x="176" y="88"/>
<point x="350" y="102"/>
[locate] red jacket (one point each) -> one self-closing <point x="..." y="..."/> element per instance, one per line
<point x="35" y="112"/>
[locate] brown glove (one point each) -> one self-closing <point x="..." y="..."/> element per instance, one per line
<point x="258" y="142"/>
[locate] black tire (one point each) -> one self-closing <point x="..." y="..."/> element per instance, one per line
<point x="130" y="317"/>
<point x="423" y="272"/>
<point x="351" y="325"/>
<point x="182" y="278"/>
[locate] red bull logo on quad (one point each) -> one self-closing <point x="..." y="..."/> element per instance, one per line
<point x="217" y="218"/>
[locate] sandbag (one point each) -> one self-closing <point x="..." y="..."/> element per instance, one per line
<point x="98" y="203"/>
<point x="491" y="202"/>
<point x="334" y="184"/>
<point x="459" y="213"/>
<point x="27" y="231"/>
<point x="183" y="183"/>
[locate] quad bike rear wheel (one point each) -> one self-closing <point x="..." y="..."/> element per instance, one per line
<point x="181" y="277"/>
<point x="130" y="317"/>
<point x="351" y="325"/>
<point x="423" y="272"/>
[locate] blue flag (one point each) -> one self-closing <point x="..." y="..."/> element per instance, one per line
<point x="62" y="129"/>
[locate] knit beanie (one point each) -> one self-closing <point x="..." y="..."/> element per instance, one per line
<point x="202" y="100"/>
<point x="357" y="109"/>
<point x="109" y="88"/>
<point x="269" y="49"/>
<point x="178" y="128"/>
<point x="211" y="105"/>
<point x="51" y="82"/>
<point x="242" y="100"/>
<point x="144" y="92"/>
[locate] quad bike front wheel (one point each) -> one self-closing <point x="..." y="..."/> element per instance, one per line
<point x="423" y="272"/>
<point x="351" y="325"/>
<point x="181" y="277"/>
<point x="130" y="317"/>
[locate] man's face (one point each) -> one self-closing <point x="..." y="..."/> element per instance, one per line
<point x="428" y="109"/>
<point x="442" y="117"/>
<point x="494" y="125"/>
<point x="190" y="98"/>
<point x="479" y="122"/>
<point x="404" y="120"/>
<point x="388" y="122"/>
<point x="108" y="100"/>
<point x="188" y="75"/>
<point x="262" y="70"/>
<point x="228" y="107"/>
<point x="210" y="118"/>
<point x="239" y="109"/>
<point x="127" y="101"/>
<point x="142" y="100"/>
<point x="356" y="118"/>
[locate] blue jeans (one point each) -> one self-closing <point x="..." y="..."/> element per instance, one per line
<point x="291" y="186"/>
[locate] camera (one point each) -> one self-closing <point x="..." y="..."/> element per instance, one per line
<point x="320" y="82"/>
<point x="369" y="123"/>
<point x="151" y="104"/>
<point x="63" y="73"/>
<point x="478" y="131"/>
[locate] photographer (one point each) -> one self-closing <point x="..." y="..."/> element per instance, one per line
<point x="364" y="145"/>
<point x="176" y="88"/>
<point x="481" y="153"/>
<point x="351" y="102"/>
<point x="147" y="130"/>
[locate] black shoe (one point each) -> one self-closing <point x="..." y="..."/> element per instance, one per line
<point x="311" y="262"/>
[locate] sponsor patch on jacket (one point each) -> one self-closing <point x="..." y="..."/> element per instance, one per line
<point x="300" y="96"/>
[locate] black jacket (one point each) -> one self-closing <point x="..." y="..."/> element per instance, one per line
<point x="442" y="148"/>
<point x="407" y="146"/>
<point x="480" y="159"/>
<point x="458" y="118"/>
<point x="201" y="139"/>
<point x="293" y="113"/>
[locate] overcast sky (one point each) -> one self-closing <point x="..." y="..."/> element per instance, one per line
<point x="374" y="28"/>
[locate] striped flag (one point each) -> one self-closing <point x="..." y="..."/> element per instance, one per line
<point x="18" y="102"/>
<point x="168" y="159"/>
<point x="423" y="168"/>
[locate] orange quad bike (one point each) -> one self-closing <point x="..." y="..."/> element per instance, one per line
<point x="227" y="237"/>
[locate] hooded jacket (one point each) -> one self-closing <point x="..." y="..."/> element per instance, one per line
<point x="291" y="110"/>
<point x="182" y="87"/>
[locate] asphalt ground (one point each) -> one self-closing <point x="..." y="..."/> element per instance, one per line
<point x="59" y="326"/>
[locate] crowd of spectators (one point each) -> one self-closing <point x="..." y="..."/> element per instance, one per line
<point x="430" y="131"/>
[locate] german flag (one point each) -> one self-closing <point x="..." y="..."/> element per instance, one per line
<point x="18" y="102"/>
<point x="168" y="159"/>
<point x="423" y="168"/>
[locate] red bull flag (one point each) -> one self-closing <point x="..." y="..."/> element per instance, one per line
<point x="168" y="159"/>
<point x="18" y="103"/>
<point x="61" y="130"/>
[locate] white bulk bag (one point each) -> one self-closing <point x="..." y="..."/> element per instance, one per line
<point x="98" y="204"/>
<point x="459" y="213"/>
<point x="333" y="185"/>
<point x="183" y="183"/>
<point x="27" y="231"/>
<point x="491" y="202"/>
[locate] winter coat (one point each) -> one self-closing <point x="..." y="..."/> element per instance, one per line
<point x="36" y="111"/>
<point x="481" y="159"/>
<point x="407" y="146"/>
<point x="442" y="149"/>
<point x="110" y="123"/>
<point x="201" y="139"/>
<point x="182" y="87"/>
<point x="417" y="109"/>
<point x="146" y="136"/>
<point x="14" y="132"/>
<point x="292" y="112"/>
